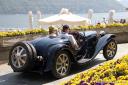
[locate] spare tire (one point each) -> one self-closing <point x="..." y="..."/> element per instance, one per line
<point x="34" y="53"/>
<point x="21" y="57"/>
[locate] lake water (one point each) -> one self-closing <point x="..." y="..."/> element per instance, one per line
<point x="21" y="20"/>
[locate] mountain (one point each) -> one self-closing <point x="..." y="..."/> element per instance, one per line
<point x="54" y="6"/>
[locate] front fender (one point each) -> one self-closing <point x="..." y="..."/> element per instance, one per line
<point x="102" y="42"/>
<point x="51" y="53"/>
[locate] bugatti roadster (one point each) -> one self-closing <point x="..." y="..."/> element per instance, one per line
<point x="57" y="54"/>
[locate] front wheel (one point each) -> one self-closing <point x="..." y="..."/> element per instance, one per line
<point x="110" y="50"/>
<point x="61" y="64"/>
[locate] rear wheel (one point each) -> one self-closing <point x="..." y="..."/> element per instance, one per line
<point x="20" y="57"/>
<point x="110" y="50"/>
<point x="61" y="64"/>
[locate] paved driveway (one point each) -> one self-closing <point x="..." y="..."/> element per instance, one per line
<point x="8" y="77"/>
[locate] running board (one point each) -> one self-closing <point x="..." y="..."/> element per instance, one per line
<point x="81" y="61"/>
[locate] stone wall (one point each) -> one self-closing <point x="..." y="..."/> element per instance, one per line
<point x="9" y="41"/>
<point x="122" y="37"/>
<point x="113" y="29"/>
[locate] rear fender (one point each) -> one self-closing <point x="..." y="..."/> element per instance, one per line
<point x="102" y="42"/>
<point x="51" y="53"/>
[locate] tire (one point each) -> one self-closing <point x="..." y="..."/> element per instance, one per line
<point x="58" y="74"/>
<point x="34" y="53"/>
<point x="109" y="51"/>
<point x="21" y="57"/>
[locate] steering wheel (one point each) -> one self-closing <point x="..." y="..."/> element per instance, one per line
<point x="78" y="37"/>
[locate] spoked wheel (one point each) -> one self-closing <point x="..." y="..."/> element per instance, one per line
<point x="61" y="64"/>
<point x="110" y="50"/>
<point x="20" y="57"/>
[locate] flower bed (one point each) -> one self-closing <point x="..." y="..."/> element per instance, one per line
<point x="121" y="30"/>
<point x="117" y="27"/>
<point x="21" y="33"/>
<point x="113" y="72"/>
<point x="102" y="26"/>
<point x="11" y="37"/>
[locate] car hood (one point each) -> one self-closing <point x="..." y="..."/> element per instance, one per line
<point x="48" y="40"/>
<point x="88" y="33"/>
<point x="43" y="44"/>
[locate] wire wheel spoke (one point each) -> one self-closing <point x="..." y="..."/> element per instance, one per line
<point x="22" y="60"/>
<point x="15" y="61"/>
<point x="112" y="46"/>
<point x="23" y="56"/>
<point x="19" y="64"/>
<point x="113" y="52"/>
<point x="62" y="71"/>
<point x="17" y="49"/>
<point x="59" y="69"/>
<point x="109" y="52"/>
<point x="60" y="59"/>
<point x="21" y="51"/>
<point x="65" y="59"/>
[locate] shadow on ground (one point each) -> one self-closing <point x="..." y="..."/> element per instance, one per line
<point x="37" y="79"/>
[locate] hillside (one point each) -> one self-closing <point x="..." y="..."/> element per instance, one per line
<point x="54" y="6"/>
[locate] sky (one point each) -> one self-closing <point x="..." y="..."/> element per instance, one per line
<point x="124" y="2"/>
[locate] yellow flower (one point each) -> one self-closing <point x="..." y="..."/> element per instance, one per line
<point x="112" y="71"/>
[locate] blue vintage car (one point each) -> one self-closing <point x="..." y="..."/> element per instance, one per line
<point x="57" y="54"/>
